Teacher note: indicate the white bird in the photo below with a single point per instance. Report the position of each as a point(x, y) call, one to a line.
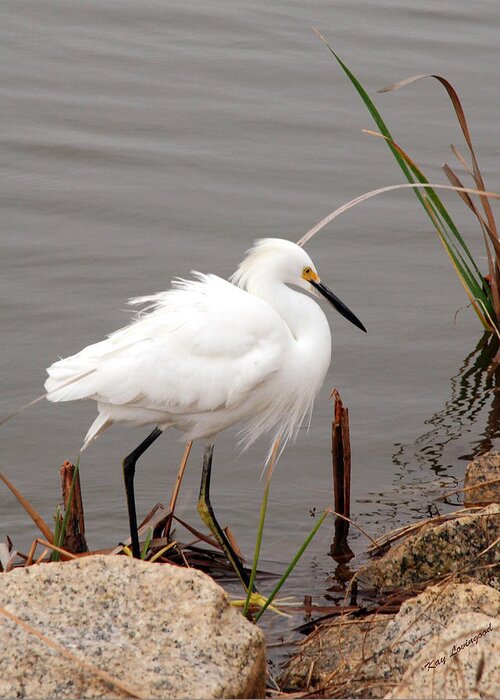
point(209, 353)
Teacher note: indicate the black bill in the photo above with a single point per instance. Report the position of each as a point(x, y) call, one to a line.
point(339, 305)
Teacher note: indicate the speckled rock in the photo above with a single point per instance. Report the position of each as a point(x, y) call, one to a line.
point(159, 630)
point(429, 614)
point(480, 471)
point(457, 545)
point(461, 661)
point(369, 658)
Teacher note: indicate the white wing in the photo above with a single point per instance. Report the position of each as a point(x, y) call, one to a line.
point(205, 345)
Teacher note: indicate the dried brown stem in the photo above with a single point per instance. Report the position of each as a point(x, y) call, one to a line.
point(74, 537)
point(63, 552)
point(341, 457)
point(177, 486)
point(32, 512)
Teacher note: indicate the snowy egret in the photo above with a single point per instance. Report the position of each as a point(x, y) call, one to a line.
point(207, 354)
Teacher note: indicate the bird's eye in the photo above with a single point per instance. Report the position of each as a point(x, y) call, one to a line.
point(307, 273)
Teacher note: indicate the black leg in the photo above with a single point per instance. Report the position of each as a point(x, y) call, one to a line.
point(128, 476)
point(208, 516)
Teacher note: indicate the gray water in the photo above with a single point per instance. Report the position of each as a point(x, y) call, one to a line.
point(141, 140)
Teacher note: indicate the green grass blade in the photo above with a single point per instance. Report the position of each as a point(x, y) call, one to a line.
point(147, 542)
point(292, 564)
point(58, 541)
point(475, 291)
point(262, 517)
point(372, 109)
point(442, 214)
point(405, 167)
point(258, 543)
point(57, 529)
point(162, 551)
point(439, 210)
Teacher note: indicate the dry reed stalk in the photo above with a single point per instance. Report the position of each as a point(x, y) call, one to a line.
point(466, 489)
point(397, 534)
point(375, 544)
point(63, 552)
point(177, 486)
point(32, 512)
point(200, 535)
point(234, 544)
point(341, 457)
point(154, 520)
point(74, 536)
point(180, 475)
point(341, 464)
point(42, 556)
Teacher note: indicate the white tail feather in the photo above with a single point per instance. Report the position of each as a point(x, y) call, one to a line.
point(100, 424)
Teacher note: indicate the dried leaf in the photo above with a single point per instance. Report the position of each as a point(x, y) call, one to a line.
point(198, 534)
point(487, 233)
point(7, 556)
point(381, 190)
point(459, 111)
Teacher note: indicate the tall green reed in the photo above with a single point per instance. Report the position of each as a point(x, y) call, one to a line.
point(483, 292)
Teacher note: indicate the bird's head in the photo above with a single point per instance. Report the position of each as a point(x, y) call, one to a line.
point(283, 261)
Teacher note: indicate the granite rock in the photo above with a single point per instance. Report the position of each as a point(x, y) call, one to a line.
point(376, 656)
point(461, 661)
point(159, 631)
point(482, 480)
point(421, 618)
point(464, 544)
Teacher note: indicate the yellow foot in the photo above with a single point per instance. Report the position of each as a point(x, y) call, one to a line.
point(257, 600)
